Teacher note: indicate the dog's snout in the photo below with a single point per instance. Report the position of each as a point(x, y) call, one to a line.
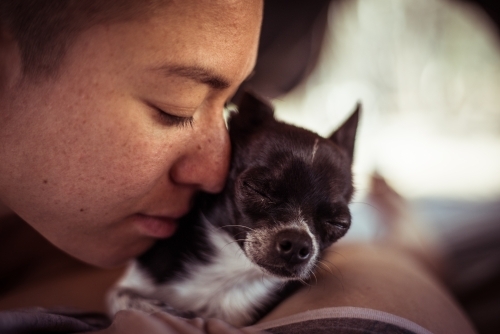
point(293, 246)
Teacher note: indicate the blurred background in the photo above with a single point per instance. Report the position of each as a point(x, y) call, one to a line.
point(427, 73)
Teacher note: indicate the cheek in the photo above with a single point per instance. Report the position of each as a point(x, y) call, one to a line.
point(94, 164)
point(121, 163)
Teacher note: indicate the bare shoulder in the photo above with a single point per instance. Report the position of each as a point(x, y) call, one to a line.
point(379, 277)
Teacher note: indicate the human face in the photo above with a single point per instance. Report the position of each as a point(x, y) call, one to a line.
point(89, 160)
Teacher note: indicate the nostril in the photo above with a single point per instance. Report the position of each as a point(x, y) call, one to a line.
point(285, 246)
point(293, 247)
point(303, 253)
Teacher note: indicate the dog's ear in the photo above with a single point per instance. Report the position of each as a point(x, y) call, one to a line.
point(253, 110)
point(345, 135)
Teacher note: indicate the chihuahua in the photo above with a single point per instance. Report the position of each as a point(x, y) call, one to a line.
point(239, 252)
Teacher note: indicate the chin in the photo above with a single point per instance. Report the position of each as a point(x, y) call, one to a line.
point(109, 259)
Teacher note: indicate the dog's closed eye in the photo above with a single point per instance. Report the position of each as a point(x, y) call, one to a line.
point(255, 189)
point(335, 219)
point(342, 217)
point(340, 222)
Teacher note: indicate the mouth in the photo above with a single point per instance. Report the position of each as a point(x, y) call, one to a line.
point(285, 272)
point(159, 227)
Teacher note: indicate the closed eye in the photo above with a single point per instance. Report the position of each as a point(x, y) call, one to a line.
point(249, 186)
point(340, 220)
point(339, 223)
point(173, 120)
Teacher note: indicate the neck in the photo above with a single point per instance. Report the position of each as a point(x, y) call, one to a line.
point(4, 210)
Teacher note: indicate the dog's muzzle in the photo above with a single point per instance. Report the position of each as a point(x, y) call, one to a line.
point(288, 253)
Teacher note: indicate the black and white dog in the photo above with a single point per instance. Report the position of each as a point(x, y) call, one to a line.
point(234, 256)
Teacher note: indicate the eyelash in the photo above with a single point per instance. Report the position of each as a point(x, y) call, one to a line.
point(178, 121)
point(246, 184)
point(172, 120)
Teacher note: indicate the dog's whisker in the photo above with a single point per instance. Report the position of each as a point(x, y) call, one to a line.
point(303, 282)
point(318, 267)
point(325, 260)
point(333, 265)
point(232, 242)
point(325, 266)
point(341, 279)
point(224, 226)
point(334, 252)
point(237, 240)
point(316, 278)
point(234, 236)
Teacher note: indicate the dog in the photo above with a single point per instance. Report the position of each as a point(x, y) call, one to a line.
point(238, 253)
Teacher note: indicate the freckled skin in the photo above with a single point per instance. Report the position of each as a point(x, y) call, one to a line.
point(82, 153)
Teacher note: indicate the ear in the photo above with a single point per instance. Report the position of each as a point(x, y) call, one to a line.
point(346, 133)
point(253, 110)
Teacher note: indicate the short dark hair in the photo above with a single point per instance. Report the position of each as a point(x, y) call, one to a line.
point(44, 29)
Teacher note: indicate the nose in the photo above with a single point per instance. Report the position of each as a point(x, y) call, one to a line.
point(293, 246)
point(205, 162)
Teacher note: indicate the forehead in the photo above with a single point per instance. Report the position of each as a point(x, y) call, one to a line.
point(212, 34)
point(297, 156)
point(220, 36)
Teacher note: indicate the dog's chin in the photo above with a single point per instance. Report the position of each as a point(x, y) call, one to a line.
point(284, 272)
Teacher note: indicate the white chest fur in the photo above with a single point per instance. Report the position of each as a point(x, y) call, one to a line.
point(231, 287)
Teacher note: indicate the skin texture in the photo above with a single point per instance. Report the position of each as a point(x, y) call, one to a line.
point(83, 154)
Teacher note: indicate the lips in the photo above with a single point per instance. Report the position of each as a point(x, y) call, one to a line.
point(155, 226)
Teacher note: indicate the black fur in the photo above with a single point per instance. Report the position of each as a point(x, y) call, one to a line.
point(166, 259)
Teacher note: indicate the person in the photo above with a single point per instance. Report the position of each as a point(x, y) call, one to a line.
point(111, 120)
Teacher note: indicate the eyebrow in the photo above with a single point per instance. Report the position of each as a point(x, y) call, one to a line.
point(199, 74)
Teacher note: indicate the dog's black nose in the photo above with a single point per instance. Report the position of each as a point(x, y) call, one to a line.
point(293, 246)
